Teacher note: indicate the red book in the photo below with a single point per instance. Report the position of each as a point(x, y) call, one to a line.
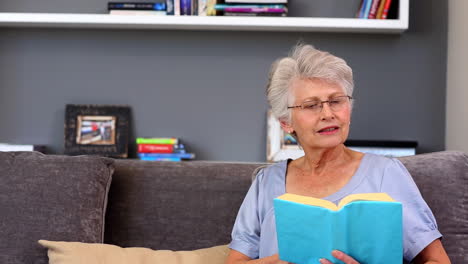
point(386, 8)
point(155, 148)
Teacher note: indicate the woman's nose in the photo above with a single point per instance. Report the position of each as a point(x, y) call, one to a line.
point(326, 112)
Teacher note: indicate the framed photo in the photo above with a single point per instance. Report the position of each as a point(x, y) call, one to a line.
point(280, 145)
point(97, 129)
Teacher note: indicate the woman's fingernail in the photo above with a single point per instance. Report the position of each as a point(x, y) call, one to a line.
point(321, 260)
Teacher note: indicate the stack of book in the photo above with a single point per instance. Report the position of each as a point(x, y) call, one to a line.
point(375, 9)
point(162, 149)
point(253, 8)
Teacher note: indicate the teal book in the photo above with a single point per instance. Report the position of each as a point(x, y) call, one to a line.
point(368, 227)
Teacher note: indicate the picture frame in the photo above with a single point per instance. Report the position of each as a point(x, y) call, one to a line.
point(280, 145)
point(97, 130)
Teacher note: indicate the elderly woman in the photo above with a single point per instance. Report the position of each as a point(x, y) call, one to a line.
point(310, 93)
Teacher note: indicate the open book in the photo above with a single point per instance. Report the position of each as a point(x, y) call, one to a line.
point(366, 226)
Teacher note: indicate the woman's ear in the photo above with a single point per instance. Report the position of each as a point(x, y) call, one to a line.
point(286, 126)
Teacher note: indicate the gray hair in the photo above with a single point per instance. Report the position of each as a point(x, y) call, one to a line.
point(304, 62)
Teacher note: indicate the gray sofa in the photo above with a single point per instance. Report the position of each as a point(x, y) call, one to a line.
point(161, 205)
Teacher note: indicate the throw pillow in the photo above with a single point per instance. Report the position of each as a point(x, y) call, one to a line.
point(53, 197)
point(86, 253)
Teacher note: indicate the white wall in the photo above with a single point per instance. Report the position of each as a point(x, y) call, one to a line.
point(457, 77)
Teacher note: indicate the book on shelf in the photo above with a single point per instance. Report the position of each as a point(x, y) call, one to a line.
point(202, 8)
point(380, 9)
point(159, 156)
point(367, 226)
point(189, 7)
point(195, 7)
point(160, 159)
point(158, 6)
point(170, 7)
point(387, 9)
point(157, 140)
point(210, 7)
point(367, 7)
point(255, 10)
point(373, 9)
point(258, 1)
point(138, 12)
point(161, 148)
point(254, 14)
point(221, 7)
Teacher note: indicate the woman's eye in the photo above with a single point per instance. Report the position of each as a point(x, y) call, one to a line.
point(311, 106)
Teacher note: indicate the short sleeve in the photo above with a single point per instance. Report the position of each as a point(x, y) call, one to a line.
point(419, 224)
point(246, 231)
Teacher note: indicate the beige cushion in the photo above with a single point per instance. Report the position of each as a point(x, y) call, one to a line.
point(86, 253)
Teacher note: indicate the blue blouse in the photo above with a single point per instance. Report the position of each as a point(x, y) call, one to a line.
point(254, 232)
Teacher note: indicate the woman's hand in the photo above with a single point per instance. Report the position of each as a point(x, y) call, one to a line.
point(276, 260)
point(341, 256)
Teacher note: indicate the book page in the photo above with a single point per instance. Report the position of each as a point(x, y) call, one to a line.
point(365, 197)
point(308, 201)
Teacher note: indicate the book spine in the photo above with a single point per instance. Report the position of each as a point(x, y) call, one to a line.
point(362, 9)
point(167, 155)
point(137, 12)
point(160, 6)
point(254, 14)
point(170, 7)
point(202, 7)
point(160, 159)
point(155, 148)
point(194, 8)
point(386, 8)
point(258, 1)
point(171, 141)
point(221, 7)
point(254, 10)
point(185, 7)
point(367, 10)
point(176, 7)
point(373, 10)
point(380, 10)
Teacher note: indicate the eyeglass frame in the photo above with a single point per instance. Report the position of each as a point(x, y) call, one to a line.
point(321, 103)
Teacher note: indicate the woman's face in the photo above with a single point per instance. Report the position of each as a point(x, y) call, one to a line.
point(318, 129)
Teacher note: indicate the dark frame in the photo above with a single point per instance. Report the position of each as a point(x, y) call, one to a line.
point(117, 119)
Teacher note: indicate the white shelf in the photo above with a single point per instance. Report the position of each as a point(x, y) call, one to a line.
point(65, 20)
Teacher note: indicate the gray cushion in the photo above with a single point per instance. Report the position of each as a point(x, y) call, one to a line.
point(50, 197)
point(442, 178)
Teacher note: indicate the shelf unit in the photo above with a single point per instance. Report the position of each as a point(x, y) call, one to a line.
point(305, 24)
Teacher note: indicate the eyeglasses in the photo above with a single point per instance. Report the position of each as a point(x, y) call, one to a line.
point(315, 106)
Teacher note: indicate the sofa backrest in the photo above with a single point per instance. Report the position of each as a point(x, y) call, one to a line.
point(175, 205)
point(442, 178)
point(189, 205)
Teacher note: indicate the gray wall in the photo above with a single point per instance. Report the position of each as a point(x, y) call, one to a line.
point(207, 87)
